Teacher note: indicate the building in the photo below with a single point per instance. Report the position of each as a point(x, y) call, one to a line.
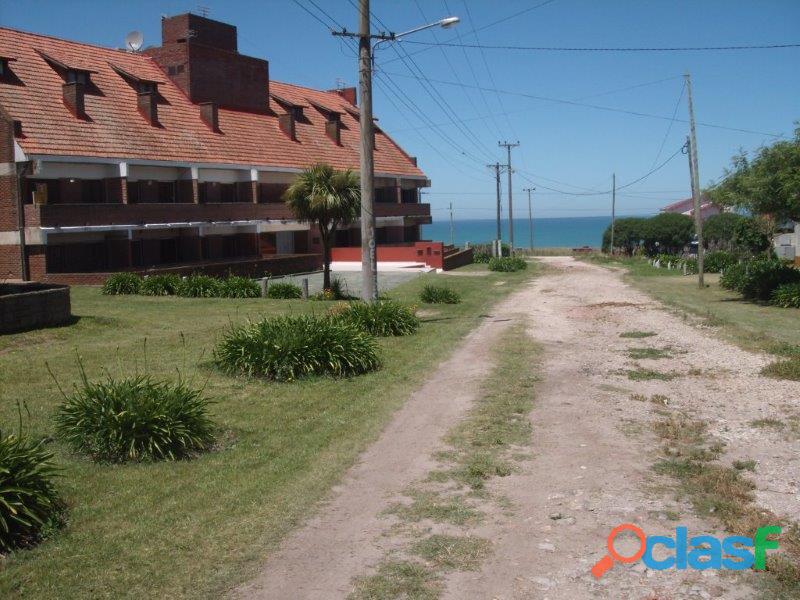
point(173, 158)
point(686, 207)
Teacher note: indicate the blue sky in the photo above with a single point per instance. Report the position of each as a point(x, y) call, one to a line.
point(563, 146)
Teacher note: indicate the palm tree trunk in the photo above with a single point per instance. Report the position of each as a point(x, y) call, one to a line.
point(325, 238)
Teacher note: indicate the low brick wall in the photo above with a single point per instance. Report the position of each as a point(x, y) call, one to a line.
point(457, 259)
point(26, 306)
point(255, 267)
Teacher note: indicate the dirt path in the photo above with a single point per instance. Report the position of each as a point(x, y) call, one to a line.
point(345, 538)
point(593, 449)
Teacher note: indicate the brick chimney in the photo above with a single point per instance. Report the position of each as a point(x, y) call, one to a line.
point(348, 93)
point(209, 113)
point(201, 57)
point(148, 106)
point(73, 98)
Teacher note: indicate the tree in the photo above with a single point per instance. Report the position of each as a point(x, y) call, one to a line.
point(719, 230)
point(328, 198)
point(769, 184)
point(628, 233)
point(668, 233)
point(750, 236)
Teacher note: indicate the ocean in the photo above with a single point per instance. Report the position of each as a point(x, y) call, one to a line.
point(547, 233)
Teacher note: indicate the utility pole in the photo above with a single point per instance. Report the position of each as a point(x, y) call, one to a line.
point(498, 242)
point(369, 263)
point(452, 229)
point(695, 176)
point(508, 146)
point(530, 216)
point(613, 208)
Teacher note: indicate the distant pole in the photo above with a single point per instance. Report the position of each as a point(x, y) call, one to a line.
point(508, 146)
point(499, 235)
point(452, 229)
point(530, 216)
point(613, 208)
point(695, 175)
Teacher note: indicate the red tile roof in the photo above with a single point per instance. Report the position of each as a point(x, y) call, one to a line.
point(115, 128)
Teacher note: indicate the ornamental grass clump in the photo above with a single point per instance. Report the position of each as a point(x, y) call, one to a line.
point(286, 348)
point(29, 503)
point(383, 318)
point(284, 291)
point(122, 283)
point(200, 286)
point(507, 264)
point(135, 419)
point(239, 287)
point(438, 294)
point(786, 296)
point(160, 285)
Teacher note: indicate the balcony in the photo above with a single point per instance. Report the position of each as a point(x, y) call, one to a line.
point(81, 215)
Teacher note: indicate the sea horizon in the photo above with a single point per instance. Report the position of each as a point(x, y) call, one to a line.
point(548, 232)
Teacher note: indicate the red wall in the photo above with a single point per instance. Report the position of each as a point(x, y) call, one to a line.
point(431, 253)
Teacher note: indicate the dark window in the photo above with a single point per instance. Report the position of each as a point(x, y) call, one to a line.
point(180, 68)
point(94, 191)
point(3, 68)
point(171, 70)
point(409, 196)
point(77, 77)
point(133, 192)
point(166, 191)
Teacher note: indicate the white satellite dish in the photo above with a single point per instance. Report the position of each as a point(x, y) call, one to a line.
point(134, 41)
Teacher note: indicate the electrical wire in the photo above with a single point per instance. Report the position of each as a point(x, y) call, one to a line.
point(578, 49)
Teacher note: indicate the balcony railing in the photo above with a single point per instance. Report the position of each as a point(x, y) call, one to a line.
point(80, 215)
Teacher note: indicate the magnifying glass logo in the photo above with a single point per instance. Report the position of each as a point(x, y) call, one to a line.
point(605, 563)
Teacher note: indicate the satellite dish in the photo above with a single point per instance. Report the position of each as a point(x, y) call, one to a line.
point(134, 41)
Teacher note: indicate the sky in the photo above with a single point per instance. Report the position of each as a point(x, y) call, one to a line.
point(451, 105)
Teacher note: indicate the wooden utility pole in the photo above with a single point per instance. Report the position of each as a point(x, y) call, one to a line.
point(498, 242)
point(508, 146)
point(530, 216)
point(452, 229)
point(613, 208)
point(369, 262)
point(695, 177)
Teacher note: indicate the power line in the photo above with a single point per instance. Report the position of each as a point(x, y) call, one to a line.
point(619, 49)
point(669, 127)
point(603, 108)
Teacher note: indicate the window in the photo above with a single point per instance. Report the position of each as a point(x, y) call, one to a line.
point(180, 68)
point(77, 77)
point(3, 68)
point(171, 70)
point(146, 87)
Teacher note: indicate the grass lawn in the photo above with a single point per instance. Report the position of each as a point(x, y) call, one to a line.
point(753, 326)
point(196, 528)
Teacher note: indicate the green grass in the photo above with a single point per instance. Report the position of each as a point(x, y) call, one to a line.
point(637, 334)
point(649, 374)
point(651, 353)
point(195, 528)
point(398, 579)
point(752, 326)
point(451, 552)
point(783, 369)
point(436, 507)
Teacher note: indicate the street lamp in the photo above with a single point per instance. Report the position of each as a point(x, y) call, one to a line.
point(369, 263)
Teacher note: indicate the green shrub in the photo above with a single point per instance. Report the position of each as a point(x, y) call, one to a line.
point(719, 262)
point(337, 291)
point(290, 347)
point(437, 294)
point(160, 285)
point(200, 286)
point(507, 264)
point(29, 503)
point(135, 419)
point(786, 295)
point(762, 276)
point(284, 291)
point(382, 318)
point(733, 277)
point(239, 287)
point(481, 257)
point(122, 283)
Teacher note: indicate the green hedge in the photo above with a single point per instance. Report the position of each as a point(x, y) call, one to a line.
point(507, 264)
point(122, 283)
point(438, 294)
point(786, 295)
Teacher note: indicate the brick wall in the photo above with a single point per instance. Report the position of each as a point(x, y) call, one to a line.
point(10, 267)
point(30, 306)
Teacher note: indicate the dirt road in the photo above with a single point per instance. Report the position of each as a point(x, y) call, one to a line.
point(592, 453)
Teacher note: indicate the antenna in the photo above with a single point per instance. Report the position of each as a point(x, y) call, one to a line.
point(134, 41)
point(340, 83)
point(203, 10)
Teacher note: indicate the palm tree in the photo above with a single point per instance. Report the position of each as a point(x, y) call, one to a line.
point(328, 198)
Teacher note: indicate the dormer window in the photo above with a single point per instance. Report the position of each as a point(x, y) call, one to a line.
point(140, 83)
point(74, 76)
point(146, 87)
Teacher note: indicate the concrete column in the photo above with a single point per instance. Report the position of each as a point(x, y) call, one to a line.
point(399, 190)
point(195, 185)
point(123, 182)
point(254, 185)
